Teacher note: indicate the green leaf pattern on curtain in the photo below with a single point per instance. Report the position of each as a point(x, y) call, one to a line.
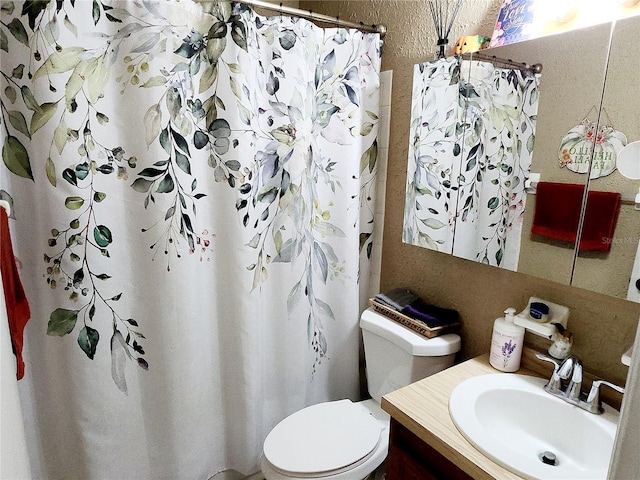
point(55, 96)
point(434, 155)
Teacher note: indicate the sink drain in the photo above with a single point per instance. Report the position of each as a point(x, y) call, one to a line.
point(548, 458)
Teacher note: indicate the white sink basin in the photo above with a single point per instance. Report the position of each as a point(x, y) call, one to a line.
point(512, 420)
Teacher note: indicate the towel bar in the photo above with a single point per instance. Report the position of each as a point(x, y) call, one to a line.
point(625, 199)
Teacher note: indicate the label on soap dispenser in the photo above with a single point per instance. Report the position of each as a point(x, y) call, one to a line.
point(506, 352)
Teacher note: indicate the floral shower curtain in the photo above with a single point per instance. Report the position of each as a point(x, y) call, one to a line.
point(192, 194)
point(472, 136)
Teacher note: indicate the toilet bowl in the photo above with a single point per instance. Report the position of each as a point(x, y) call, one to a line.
point(345, 440)
point(342, 440)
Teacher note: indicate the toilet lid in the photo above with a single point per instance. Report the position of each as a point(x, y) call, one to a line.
point(323, 437)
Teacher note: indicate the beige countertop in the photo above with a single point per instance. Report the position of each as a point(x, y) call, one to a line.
point(423, 408)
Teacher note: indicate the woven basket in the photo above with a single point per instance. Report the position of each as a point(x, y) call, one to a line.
point(412, 324)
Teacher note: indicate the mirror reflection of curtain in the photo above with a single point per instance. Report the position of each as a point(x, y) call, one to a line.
point(434, 152)
point(499, 133)
point(473, 131)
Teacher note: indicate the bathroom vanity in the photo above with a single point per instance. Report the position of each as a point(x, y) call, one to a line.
point(424, 442)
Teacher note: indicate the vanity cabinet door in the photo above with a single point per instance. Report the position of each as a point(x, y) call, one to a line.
point(412, 459)
point(402, 466)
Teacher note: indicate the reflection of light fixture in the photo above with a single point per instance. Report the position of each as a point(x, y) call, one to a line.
point(628, 3)
point(562, 12)
point(564, 15)
point(519, 21)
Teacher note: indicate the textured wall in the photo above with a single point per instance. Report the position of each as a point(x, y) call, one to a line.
point(603, 326)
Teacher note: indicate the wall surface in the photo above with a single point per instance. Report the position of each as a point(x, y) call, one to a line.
point(603, 326)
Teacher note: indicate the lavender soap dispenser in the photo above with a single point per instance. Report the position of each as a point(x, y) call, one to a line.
point(506, 343)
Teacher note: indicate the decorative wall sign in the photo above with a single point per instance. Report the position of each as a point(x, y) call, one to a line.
point(514, 22)
point(577, 146)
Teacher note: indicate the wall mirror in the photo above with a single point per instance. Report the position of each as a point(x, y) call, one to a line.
point(569, 90)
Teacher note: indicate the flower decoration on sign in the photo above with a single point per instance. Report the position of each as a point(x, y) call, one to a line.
point(585, 142)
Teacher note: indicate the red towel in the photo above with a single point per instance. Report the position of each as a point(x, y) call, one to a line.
point(17, 305)
point(557, 215)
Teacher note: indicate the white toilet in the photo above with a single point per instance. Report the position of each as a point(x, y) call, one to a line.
point(343, 440)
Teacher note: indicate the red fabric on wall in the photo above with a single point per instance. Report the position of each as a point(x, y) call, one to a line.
point(17, 305)
point(557, 215)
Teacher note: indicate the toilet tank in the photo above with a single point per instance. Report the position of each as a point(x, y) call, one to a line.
point(396, 356)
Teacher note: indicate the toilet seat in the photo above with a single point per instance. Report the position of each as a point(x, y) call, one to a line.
point(327, 439)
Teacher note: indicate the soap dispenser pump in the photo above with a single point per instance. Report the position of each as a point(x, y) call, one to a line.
point(506, 343)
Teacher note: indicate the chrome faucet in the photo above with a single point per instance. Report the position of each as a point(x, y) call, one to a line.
point(570, 371)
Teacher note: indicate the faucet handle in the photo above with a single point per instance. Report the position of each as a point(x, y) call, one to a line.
point(554, 382)
point(572, 366)
point(593, 399)
point(546, 358)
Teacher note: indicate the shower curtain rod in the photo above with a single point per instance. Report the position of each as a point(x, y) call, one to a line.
point(308, 14)
point(535, 68)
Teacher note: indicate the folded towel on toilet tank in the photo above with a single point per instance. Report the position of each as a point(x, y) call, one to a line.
point(431, 315)
point(409, 304)
point(398, 298)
